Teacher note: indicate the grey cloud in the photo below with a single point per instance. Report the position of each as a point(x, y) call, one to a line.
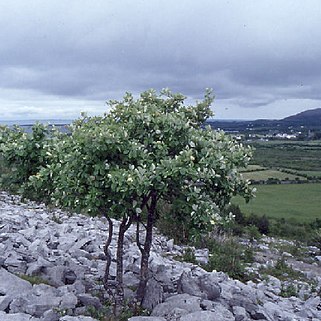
point(251, 53)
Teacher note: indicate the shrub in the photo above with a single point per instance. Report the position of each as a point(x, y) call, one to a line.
point(229, 257)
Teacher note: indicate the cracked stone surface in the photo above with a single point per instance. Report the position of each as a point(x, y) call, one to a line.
point(52, 263)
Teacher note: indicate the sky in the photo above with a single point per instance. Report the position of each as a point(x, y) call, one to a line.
point(60, 58)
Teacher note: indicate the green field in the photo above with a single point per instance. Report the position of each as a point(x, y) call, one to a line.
point(299, 201)
point(252, 168)
point(316, 174)
point(296, 155)
point(263, 175)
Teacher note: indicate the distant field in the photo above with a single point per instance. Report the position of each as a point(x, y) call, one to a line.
point(296, 155)
point(264, 175)
point(316, 174)
point(251, 168)
point(299, 201)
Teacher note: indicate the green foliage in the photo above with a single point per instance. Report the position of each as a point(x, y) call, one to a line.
point(316, 238)
point(106, 311)
point(122, 164)
point(291, 228)
point(252, 233)
point(262, 223)
point(288, 290)
point(33, 279)
point(24, 155)
point(230, 257)
point(155, 143)
point(189, 256)
point(283, 271)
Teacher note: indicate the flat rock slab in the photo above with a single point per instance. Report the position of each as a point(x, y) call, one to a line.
point(17, 317)
point(12, 285)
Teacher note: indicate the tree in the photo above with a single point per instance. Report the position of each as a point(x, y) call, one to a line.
point(23, 155)
point(144, 151)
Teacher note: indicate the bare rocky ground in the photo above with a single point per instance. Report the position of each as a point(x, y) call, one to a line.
point(52, 263)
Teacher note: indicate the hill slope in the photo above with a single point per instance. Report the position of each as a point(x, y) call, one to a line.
point(311, 116)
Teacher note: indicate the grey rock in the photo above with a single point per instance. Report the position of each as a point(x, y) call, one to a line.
point(70, 255)
point(5, 302)
point(80, 244)
point(56, 275)
point(153, 295)
point(273, 311)
point(70, 277)
point(17, 317)
point(89, 300)
point(60, 275)
point(218, 308)
point(12, 285)
point(201, 256)
point(185, 302)
point(170, 244)
point(78, 318)
point(240, 313)
point(15, 263)
point(50, 315)
point(68, 301)
point(38, 267)
point(204, 286)
point(204, 316)
point(146, 319)
point(131, 280)
point(313, 303)
point(209, 285)
point(41, 299)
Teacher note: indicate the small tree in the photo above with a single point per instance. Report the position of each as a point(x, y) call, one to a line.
point(144, 151)
point(24, 154)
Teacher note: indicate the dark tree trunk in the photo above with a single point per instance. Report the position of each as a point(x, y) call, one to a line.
point(124, 226)
point(107, 252)
point(145, 248)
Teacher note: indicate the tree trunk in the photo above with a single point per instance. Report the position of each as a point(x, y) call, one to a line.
point(107, 252)
point(124, 226)
point(145, 249)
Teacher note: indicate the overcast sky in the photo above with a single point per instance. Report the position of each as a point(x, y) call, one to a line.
point(58, 58)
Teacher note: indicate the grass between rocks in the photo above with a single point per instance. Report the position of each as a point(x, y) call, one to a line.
point(33, 279)
point(106, 312)
point(283, 271)
point(226, 255)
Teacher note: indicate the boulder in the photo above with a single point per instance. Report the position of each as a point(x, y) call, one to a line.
point(11, 286)
point(204, 316)
point(153, 295)
point(205, 286)
point(185, 302)
point(42, 298)
point(17, 317)
point(88, 300)
point(78, 318)
point(146, 319)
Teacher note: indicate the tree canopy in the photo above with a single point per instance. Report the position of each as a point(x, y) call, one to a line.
point(145, 150)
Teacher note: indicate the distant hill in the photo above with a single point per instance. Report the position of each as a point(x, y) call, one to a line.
point(309, 120)
point(311, 117)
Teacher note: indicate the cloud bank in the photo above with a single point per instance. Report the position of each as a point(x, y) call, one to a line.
point(262, 58)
